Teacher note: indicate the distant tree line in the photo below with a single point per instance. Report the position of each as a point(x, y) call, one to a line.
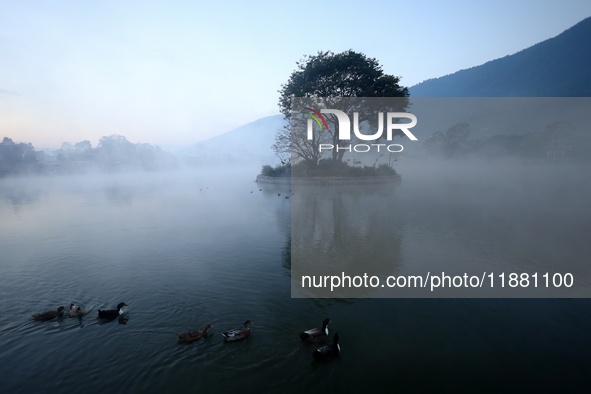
point(116, 151)
point(558, 140)
point(16, 157)
point(113, 152)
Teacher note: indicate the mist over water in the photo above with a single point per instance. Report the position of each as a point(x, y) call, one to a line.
point(452, 216)
point(196, 247)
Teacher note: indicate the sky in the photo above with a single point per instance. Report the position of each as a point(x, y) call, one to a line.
point(179, 72)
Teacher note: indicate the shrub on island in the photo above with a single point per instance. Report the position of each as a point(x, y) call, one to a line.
point(327, 168)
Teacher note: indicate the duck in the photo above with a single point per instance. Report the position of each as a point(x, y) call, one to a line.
point(328, 352)
point(237, 333)
point(75, 310)
point(316, 335)
point(111, 314)
point(194, 335)
point(49, 314)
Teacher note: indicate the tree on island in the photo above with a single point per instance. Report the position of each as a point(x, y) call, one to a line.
point(324, 76)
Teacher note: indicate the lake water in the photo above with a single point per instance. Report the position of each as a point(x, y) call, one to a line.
point(188, 248)
point(474, 218)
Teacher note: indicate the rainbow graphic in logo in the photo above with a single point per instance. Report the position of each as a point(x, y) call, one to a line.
point(316, 118)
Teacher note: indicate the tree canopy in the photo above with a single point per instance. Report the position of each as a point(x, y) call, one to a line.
point(346, 74)
point(330, 75)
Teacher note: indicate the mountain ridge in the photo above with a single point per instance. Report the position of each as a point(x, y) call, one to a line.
point(556, 67)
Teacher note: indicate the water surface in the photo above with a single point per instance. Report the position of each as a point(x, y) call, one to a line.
point(189, 248)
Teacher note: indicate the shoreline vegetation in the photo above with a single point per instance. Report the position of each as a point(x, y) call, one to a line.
point(327, 168)
point(328, 180)
point(113, 153)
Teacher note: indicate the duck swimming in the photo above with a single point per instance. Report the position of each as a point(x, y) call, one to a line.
point(237, 333)
point(328, 352)
point(75, 311)
point(49, 315)
point(111, 314)
point(316, 335)
point(194, 335)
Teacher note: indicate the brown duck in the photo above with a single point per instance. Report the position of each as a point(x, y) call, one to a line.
point(194, 335)
point(49, 315)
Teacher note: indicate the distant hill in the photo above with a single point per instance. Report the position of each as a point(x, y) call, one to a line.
point(251, 142)
point(558, 67)
point(253, 138)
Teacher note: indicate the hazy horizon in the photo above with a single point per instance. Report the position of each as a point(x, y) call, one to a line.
point(74, 72)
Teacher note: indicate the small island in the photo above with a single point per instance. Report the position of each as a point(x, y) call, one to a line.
point(328, 173)
point(324, 80)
